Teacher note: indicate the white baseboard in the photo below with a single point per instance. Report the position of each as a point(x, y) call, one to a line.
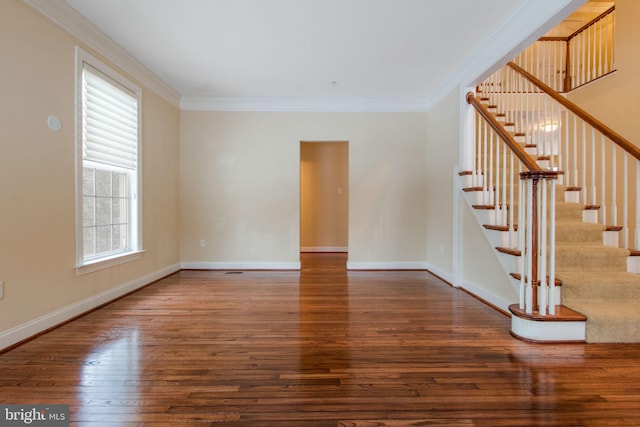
point(400, 265)
point(202, 265)
point(444, 275)
point(36, 326)
point(487, 296)
point(324, 249)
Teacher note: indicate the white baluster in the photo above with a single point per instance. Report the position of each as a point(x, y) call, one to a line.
point(527, 248)
point(625, 200)
point(545, 127)
point(512, 205)
point(588, 49)
point(555, 67)
point(606, 44)
point(614, 185)
point(603, 176)
point(575, 155)
point(600, 49)
point(636, 239)
point(485, 156)
point(552, 249)
point(583, 166)
point(542, 247)
point(561, 155)
point(547, 67)
point(613, 41)
point(491, 199)
point(522, 227)
point(594, 200)
point(574, 61)
point(538, 72)
point(497, 185)
point(583, 58)
point(594, 52)
point(477, 150)
point(504, 185)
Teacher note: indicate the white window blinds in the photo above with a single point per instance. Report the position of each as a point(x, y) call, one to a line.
point(110, 134)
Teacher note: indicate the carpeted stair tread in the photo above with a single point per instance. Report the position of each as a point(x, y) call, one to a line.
point(615, 287)
point(569, 212)
point(595, 281)
point(579, 232)
point(611, 322)
point(590, 257)
point(566, 212)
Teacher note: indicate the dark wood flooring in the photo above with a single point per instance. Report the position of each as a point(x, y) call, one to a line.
point(320, 347)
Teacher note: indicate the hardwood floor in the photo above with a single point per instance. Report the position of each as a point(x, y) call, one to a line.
point(320, 347)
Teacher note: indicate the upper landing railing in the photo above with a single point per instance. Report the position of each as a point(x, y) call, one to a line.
point(565, 63)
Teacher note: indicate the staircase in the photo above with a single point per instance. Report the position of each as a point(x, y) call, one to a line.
point(588, 288)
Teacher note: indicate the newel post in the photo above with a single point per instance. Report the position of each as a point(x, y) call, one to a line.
point(567, 68)
point(537, 258)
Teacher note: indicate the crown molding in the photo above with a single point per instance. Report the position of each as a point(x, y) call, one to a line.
point(67, 18)
point(305, 104)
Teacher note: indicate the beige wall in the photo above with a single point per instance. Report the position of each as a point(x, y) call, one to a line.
point(240, 186)
point(324, 196)
point(37, 179)
point(481, 272)
point(615, 100)
point(457, 249)
point(443, 142)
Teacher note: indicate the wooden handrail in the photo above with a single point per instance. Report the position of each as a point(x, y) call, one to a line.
point(618, 139)
point(593, 21)
point(554, 39)
point(503, 134)
point(579, 30)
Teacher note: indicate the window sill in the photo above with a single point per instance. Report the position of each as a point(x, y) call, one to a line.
point(112, 261)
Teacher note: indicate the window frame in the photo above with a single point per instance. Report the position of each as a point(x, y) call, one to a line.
point(134, 251)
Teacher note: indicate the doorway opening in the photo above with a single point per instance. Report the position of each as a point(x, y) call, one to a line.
point(324, 196)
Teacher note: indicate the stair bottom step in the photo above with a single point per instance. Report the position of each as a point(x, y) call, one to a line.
point(565, 326)
point(562, 314)
point(611, 322)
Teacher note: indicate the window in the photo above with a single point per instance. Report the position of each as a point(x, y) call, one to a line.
point(108, 152)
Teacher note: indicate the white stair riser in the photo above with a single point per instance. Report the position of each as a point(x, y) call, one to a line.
point(501, 238)
point(509, 262)
point(590, 216)
point(611, 238)
point(572, 196)
point(548, 330)
point(633, 264)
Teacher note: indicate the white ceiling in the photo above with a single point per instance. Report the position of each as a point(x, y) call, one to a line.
point(580, 17)
point(302, 48)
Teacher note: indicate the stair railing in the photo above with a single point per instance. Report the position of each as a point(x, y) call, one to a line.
point(517, 191)
point(604, 165)
point(565, 63)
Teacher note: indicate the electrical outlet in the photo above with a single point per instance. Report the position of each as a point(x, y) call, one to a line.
point(203, 243)
point(1, 289)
